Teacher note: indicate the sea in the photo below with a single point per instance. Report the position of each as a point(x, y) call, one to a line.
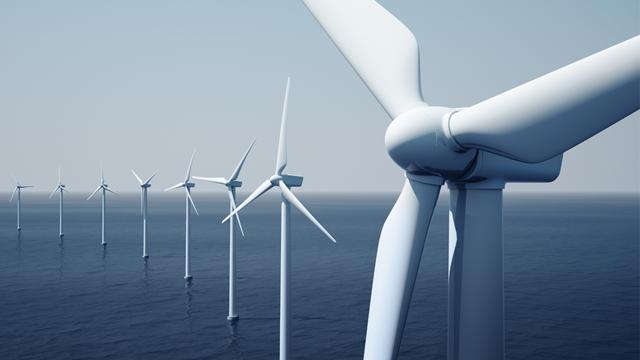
point(571, 265)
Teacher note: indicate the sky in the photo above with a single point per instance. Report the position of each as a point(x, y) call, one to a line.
point(141, 84)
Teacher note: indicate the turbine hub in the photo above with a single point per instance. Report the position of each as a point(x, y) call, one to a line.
point(418, 141)
point(275, 179)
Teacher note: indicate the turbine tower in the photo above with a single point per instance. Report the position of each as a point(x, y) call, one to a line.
point(18, 190)
point(144, 186)
point(283, 182)
point(104, 188)
point(517, 136)
point(187, 185)
point(231, 184)
point(61, 188)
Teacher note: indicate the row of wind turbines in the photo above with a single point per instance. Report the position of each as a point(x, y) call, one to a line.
point(280, 180)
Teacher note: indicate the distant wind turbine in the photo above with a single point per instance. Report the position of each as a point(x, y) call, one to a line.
point(232, 183)
point(18, 190)
point(144, 186)
point(187, 185)
point(61, 188)
point(104, 187)
point(284, 182)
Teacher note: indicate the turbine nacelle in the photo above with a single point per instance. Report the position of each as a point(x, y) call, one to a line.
point(419, 141)
point(289, 180)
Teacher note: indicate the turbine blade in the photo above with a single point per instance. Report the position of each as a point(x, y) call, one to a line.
point(281, 161)
point(232, 201)
point(188, 176)
point(137, 177)
point(399, 251)
point(175, 186)
point(150, 178)
point(94, 192)
point(111, 191)
point(13, 193)
point(59, 175)
point(555, 112)
point(217, 180)
point(298, 205)
point(101, 175)
point(54, 191)
point(263, 188)
point(142, 202)
point(236, 172)
point(191, 201)
point(379, 47)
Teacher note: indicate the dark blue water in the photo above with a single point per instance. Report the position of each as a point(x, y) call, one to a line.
point(571, 280)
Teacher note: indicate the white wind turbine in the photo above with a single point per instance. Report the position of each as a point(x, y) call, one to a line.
point(144, 186)
point(18, 190)
point(232, 183)
point(187, 185)
point(61, 188)
point(105, 188)
point(283, 182)
point(517, 136)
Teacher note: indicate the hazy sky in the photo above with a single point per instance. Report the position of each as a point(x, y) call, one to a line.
point(139, 84)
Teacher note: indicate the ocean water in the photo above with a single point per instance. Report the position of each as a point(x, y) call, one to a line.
point(571, 280)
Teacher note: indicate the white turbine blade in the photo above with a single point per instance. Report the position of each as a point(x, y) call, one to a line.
point(94, 192)
point(295, 202)
point(54, 191)
point(59, 175)
point(217, 180)
point(111, 191)
point(13, 193)
point(399, 251)
point(188, 176)
point(175, 186)
point(150, 178)
point(236, 172)
point(137, 177)
point(281, 161)
point(379, 47)
point(233, 208)
point(142, 202)
point(263, 188)
point(553, 113)
point(101, 175)
point(191, 201)
point(27, 186)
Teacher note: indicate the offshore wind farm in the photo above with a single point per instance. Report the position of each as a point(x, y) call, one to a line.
point(379, 259)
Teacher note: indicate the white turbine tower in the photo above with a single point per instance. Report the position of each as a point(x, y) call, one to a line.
point(61, 188)
point(144, 186)
point(231, 183)
point(18, 191)
point(187, 185)
point(104, 188)
point(517, 136)
point(284, 182)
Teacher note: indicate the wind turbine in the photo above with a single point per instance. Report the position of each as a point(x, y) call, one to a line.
point(18, 190)
point(232, 183)
point(517, 136)
point(60, 188)
point(105, 188)
point(144, 186)
point(283, 182)
point(187, 185)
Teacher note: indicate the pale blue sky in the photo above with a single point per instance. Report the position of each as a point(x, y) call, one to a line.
point(141, 83)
